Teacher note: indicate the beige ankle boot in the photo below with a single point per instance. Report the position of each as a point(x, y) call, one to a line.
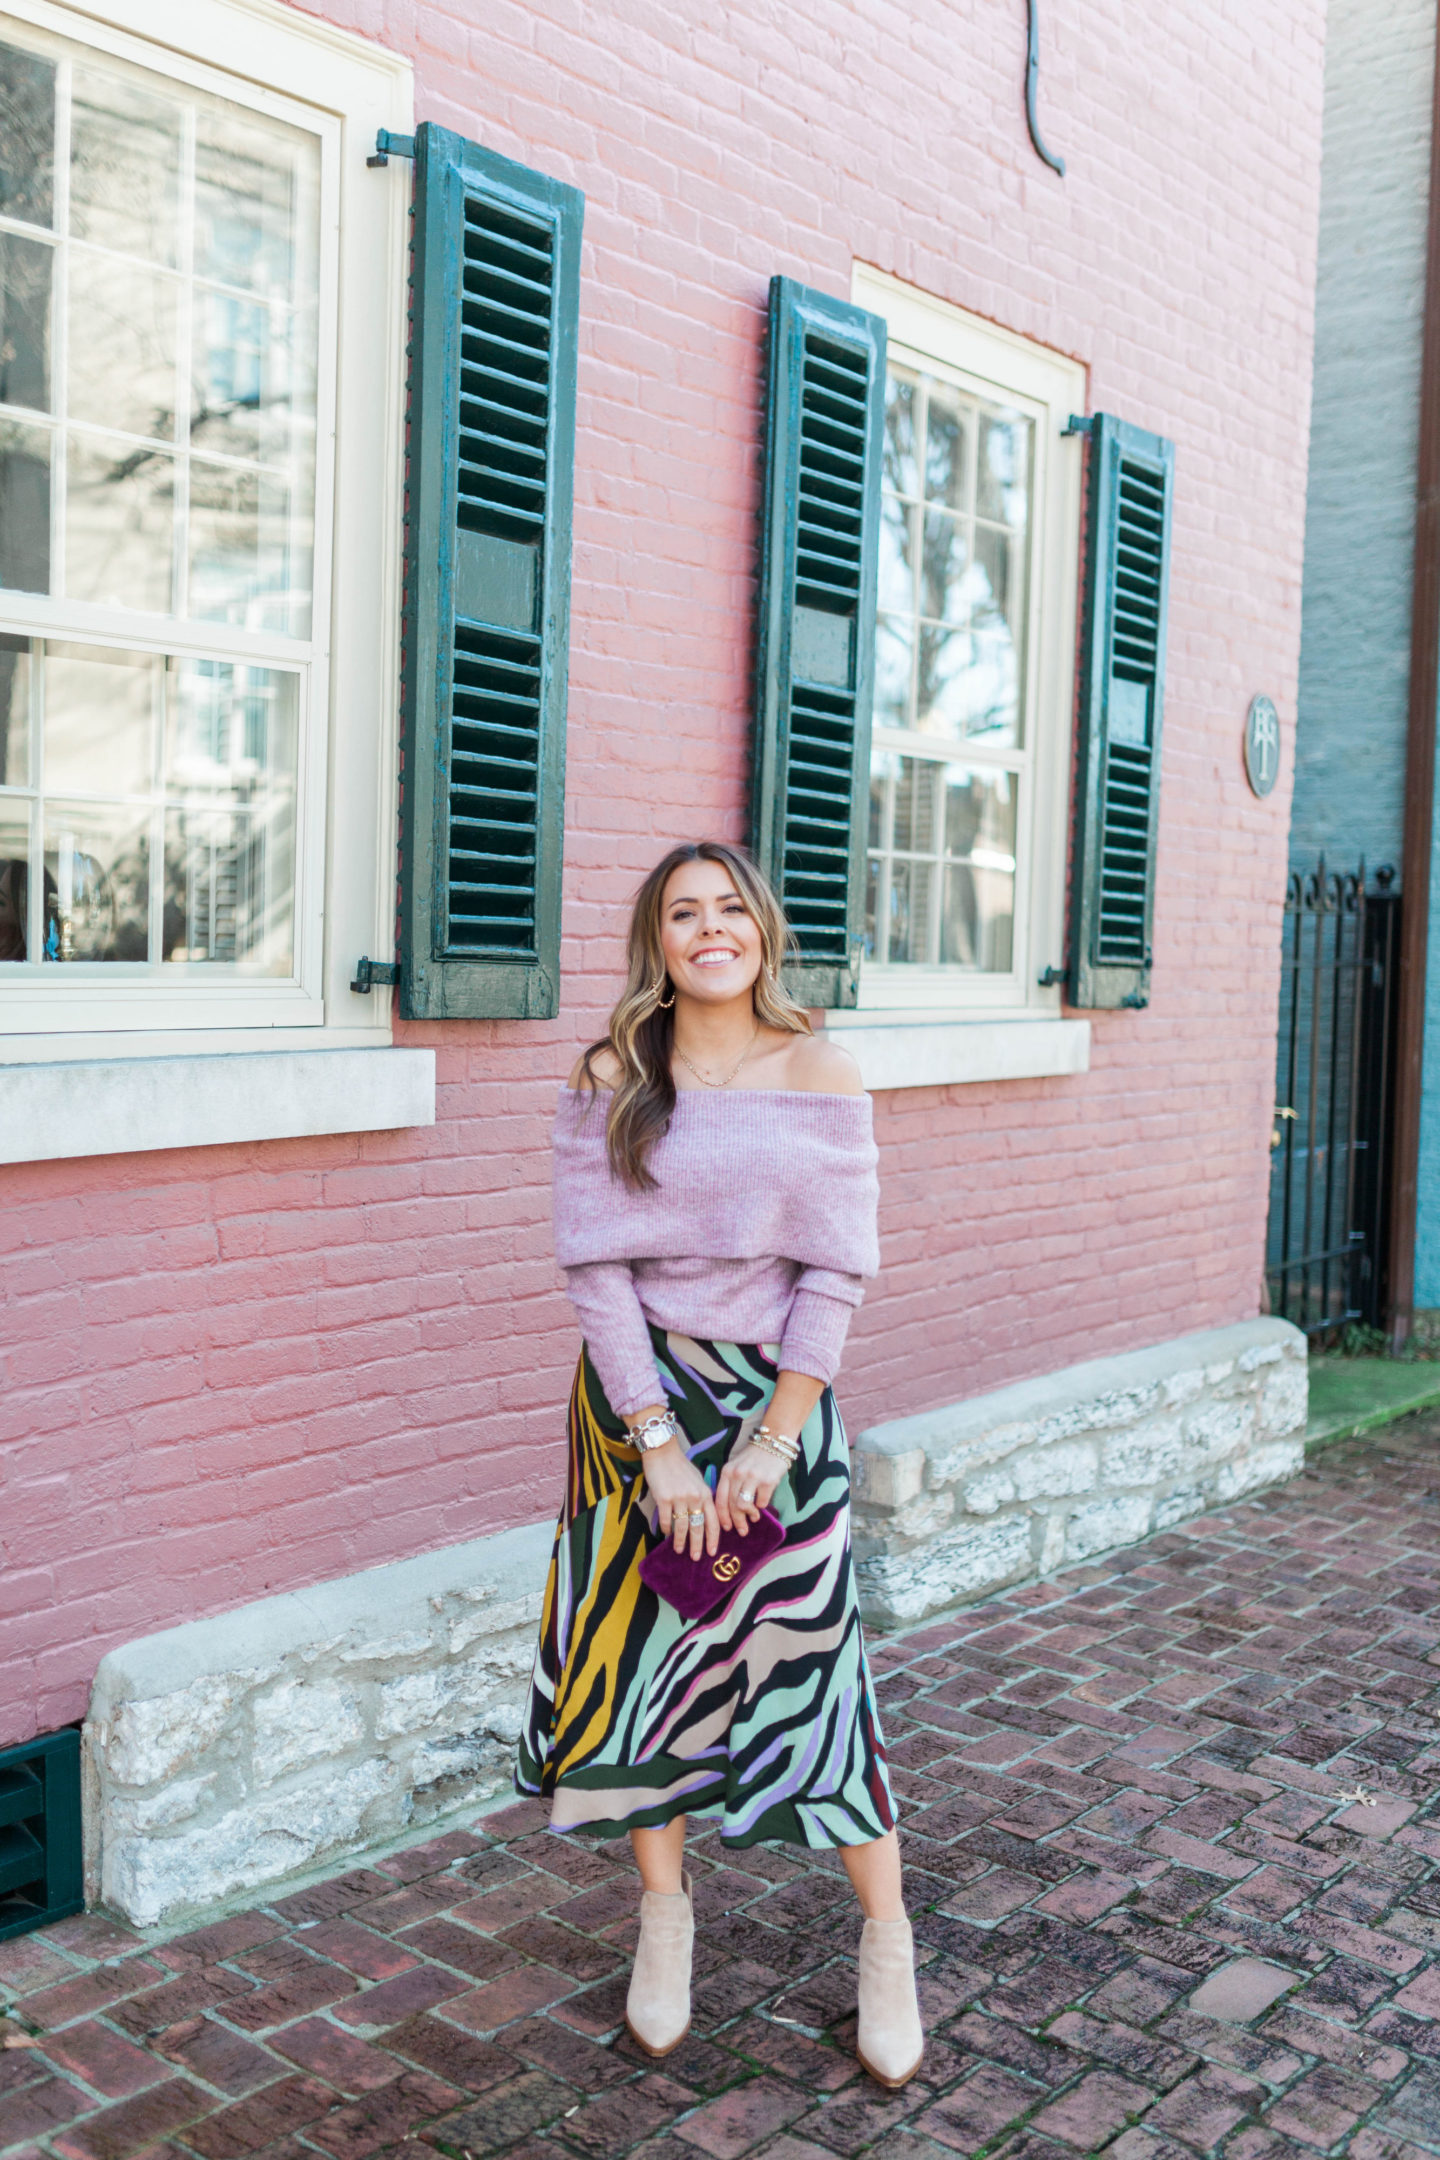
point(657, 2008)
point(890, 2042)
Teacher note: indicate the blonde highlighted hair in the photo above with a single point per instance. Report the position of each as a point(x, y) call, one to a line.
point(641, 1038)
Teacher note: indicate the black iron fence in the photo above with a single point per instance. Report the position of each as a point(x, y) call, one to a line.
point(1329, 1163)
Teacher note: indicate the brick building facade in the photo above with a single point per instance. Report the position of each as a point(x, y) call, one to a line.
point(326, 1334)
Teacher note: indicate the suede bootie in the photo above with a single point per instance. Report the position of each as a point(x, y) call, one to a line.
point(890, 2042)
point(657, 2008)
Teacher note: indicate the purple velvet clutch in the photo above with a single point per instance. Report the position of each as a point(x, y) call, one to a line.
point(697, 1588)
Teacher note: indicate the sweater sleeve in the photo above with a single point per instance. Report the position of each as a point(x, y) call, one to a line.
point(819, 1321)
point(616, 1333)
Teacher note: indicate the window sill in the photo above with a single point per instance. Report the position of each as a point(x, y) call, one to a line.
point(931, 1052)
point(128, 1106)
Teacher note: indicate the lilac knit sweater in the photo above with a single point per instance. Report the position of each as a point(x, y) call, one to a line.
point(761, 1230)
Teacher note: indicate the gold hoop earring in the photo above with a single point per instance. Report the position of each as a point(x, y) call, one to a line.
point(664, 1003)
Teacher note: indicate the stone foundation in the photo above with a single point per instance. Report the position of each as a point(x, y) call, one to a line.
point(237, 1751)
point(957, 1503)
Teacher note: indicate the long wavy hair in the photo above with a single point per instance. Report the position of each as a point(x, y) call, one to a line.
point(642, 1030)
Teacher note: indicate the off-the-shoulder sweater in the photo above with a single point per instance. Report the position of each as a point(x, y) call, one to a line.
point(761, 1229)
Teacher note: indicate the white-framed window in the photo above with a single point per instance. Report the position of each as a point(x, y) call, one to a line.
point(201, 400)
point(974, 681)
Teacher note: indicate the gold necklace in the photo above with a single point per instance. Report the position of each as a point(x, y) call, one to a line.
point(704, 1080)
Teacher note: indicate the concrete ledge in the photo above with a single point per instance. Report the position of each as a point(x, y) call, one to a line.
point(241, 1750)
point(127, 1106)
point(959, 1502)
point(906, 1053)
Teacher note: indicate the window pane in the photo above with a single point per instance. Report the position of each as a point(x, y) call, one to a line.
point(947, 688)
point(948, 419)
point(900, 470)
point(945, 579)
point(25, 267)
point(232, 751)
point(122, 346)
point(27, 136)
point(956, 667)
point(892, 673)
point(14, 880)
point(916, 798)
point(101, 707)
point(124, 166)
point(897, 554)
point(14, 711)
point(910, 884)
point(98, 858)
point(242, 569)
point(24, 507)
point(1002, 490)
point(121, 525)
point(977, 922)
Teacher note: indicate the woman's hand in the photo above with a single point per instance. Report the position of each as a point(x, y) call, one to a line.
point(749, 1479)
point(745, 1486)
point(684, 1505)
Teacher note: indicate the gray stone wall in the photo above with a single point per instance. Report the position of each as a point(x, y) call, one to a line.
point(1364, 433)
point(233, 1754)
point(955, 1504)
point(241, 1750)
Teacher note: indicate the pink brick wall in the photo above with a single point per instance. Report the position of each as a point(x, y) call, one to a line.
point(232, 1371)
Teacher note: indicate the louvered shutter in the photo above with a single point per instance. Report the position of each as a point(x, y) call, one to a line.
point(1122, 684)
point(495, 285)
point(825, 407)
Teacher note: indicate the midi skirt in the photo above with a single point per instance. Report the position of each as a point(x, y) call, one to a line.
point(761, 1715)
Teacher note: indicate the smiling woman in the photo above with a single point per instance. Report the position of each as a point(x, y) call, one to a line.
point(715, 1197)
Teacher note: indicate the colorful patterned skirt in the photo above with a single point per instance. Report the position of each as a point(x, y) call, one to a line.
point(764, 1713)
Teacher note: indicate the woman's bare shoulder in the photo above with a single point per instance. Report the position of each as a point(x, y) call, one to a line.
point(604, 1071)
point(818, 1066)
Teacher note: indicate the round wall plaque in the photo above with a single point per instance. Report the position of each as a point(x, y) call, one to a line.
point(1262, 745)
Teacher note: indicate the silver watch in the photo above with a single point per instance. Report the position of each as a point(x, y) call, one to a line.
point(655, 1431)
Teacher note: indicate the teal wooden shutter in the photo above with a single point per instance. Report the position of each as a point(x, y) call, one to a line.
point(824, 421)
point(495, 290)
point(1121, 692)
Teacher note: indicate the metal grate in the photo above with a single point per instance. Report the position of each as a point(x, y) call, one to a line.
point(506, 324)
point(494, 790)
point(1334, 1087)
point(40, 1866)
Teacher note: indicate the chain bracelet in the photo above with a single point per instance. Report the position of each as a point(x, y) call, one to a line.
point(654, 1431)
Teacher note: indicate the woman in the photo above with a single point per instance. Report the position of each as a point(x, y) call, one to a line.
point(715, 1202)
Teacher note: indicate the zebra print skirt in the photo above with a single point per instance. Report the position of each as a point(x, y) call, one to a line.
point(762, 1715)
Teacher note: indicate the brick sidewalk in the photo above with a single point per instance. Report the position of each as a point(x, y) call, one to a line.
point(1155, 1919)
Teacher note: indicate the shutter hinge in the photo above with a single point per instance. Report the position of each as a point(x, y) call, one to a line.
point(1076, 425)
point(1136, 1001)
point(1048, 977)
point(375, 975)
point(388, 146)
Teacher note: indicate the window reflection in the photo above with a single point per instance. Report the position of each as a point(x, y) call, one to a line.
point(949, 670)
point(166, 793)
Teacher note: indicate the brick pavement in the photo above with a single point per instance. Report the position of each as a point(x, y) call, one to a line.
point(1156, 1917)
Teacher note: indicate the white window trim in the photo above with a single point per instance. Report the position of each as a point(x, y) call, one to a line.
point(926, 332)
point(354, 88)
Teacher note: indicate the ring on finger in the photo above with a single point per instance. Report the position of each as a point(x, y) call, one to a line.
point(697, 1516)
point(747, 1499)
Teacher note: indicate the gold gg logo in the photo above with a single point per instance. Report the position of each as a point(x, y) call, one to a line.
point(727, 1567)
